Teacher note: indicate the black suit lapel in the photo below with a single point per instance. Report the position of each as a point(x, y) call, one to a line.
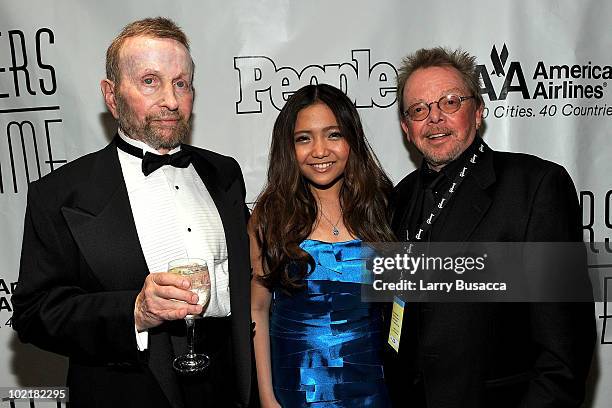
point(103, 226)
point(471, 202)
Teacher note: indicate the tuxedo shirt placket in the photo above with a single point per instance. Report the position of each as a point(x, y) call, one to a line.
point(176, 217)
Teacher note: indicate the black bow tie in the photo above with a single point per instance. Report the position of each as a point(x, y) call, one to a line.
point(152, 162)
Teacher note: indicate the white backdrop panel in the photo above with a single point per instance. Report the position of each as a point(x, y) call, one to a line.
point(251, 55)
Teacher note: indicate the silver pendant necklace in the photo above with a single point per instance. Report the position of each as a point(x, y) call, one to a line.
point(335, 229)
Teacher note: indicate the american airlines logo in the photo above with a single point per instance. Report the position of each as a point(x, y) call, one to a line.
point(563, 81)
point(264, 83)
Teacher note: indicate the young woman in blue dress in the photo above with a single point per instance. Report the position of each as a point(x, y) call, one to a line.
point(316, 343)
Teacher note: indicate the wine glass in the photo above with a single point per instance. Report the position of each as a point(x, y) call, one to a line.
point(196, 271)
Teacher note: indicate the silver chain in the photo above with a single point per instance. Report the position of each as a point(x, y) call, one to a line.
point(335, 229)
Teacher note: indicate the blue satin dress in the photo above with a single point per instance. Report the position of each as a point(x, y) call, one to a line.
point(325, 343)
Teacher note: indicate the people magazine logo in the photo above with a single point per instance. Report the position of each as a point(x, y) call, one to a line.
point(543, 89)
point(263, 84)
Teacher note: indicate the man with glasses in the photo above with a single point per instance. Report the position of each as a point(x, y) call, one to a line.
point(480, 354)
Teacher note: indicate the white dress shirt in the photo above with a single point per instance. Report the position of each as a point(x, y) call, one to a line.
point(176, 217)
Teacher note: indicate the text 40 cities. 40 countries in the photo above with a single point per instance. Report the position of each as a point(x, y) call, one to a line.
point(548, 110)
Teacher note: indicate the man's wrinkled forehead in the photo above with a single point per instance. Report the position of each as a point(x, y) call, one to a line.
point(140, 53)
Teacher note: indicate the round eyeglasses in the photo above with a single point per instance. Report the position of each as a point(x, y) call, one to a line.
point(447, 104)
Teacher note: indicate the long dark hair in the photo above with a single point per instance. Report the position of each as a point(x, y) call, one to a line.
point(286, 210)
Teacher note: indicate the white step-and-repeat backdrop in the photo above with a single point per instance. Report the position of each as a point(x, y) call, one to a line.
point(546, 70)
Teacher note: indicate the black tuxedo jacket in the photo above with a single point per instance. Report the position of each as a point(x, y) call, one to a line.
point(82, 267)
point(494, 355)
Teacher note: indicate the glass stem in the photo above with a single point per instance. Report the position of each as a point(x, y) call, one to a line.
point(190, 335)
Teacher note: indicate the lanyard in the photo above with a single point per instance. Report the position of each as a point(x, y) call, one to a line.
point(437, 209)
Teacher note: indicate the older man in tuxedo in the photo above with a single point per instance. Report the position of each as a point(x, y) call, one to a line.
point(100, 231)
point(481, 355)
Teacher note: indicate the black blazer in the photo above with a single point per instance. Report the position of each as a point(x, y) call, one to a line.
point(82, 267)
point(497, 354)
